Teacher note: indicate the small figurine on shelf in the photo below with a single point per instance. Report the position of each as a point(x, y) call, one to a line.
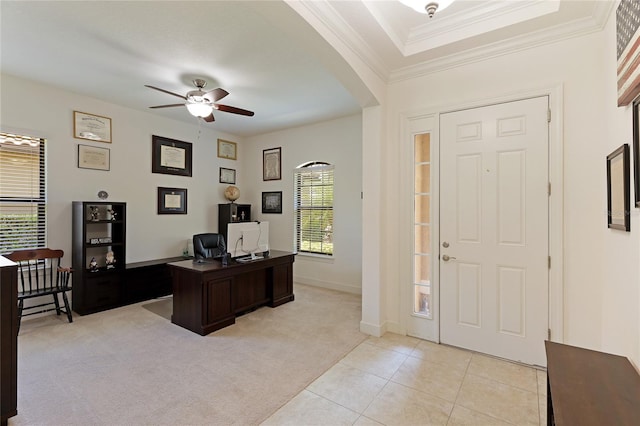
point(242, 216)
point(93, 265)
point(111, 260)
point(112, 214)
point(94, 213)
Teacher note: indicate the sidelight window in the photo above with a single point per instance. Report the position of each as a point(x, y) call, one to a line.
point(422, 227)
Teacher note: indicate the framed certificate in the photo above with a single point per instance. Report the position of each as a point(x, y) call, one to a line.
point(227, 149)
point(91, 157)
point(170, 156)
point(227, 175)
point(91, 127)
point(172, 200)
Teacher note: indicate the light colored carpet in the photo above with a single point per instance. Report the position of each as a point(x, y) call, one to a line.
point(132, 366)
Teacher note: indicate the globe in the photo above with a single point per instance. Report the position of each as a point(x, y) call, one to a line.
point(232, 193)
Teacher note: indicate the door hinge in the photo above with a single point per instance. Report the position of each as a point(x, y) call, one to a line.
point(549, 115)
point(549, 261)
point(549, 334)
point(549, 189)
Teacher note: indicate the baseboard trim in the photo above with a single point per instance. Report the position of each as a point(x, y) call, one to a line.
point(329, 285)
point(373, 329)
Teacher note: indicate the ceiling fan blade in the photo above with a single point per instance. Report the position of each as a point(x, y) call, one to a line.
point(165, 91)
point(217, 94)
point(209, 118)
point(166, 106)
point(234, 110)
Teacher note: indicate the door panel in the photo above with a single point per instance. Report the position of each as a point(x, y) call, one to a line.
point(494, 217)
point(469, 294)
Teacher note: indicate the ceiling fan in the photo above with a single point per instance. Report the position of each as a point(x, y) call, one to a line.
point(201, 103)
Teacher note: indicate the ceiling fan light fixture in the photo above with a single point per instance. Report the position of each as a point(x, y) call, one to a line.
point(429, 7)
point(199, 109)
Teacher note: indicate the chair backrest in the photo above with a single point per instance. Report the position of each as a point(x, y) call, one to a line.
point(207, 246)
point(39, 270)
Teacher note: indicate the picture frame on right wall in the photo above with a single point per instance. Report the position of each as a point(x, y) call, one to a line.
point(636, 150)
point(618, 202)
point(271, 164)
point(272, 202)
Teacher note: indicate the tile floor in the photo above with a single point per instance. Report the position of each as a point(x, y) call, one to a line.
point(399, 380)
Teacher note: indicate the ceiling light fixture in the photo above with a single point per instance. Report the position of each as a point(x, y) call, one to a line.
point(199, 109)
point(427, 6)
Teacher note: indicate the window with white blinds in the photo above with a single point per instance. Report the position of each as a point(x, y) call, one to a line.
point(22, 192)
point(313, 192)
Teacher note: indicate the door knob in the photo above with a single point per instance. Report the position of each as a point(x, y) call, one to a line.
point(445, 244)
point(447, 258)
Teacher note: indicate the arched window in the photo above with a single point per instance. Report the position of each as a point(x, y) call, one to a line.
point(313, 208)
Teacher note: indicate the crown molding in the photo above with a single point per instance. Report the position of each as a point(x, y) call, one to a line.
point(335, 23)
point(512, 45)
point(471, 22)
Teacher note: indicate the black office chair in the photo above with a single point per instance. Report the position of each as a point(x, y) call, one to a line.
point(207, 246)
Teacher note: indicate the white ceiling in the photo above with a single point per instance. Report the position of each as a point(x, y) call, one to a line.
point(262, 52)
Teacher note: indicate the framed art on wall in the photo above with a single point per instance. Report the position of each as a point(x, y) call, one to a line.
point(227, 175)
point(172, 200)
point(272, 202)
point(91, 157)
point(618, 202)
point(227, 149)
point(91, 127)
point(170, 156)
point(636, 150)
point(271, 166)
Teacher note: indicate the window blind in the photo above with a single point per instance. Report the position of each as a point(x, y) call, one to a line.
point(22, 192)
point(313, 190)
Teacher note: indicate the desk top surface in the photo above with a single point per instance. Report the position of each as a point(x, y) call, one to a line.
point(214, 264)
point(592, 388)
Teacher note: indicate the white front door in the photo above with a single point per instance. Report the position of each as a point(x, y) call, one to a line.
point(494, 222)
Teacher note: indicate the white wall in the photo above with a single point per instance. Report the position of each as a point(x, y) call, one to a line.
point(151, 236)
point(601, 281)
point(620, 287)
point(48, 112)
point(338, 142)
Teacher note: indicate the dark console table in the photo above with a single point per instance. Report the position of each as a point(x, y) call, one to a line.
point(208, 296)
point(586, 387)
point(8, 340)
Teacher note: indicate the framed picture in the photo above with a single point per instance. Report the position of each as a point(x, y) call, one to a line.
point(91, 157)
point(271, 167)
point(170, 157)
point(628, 51)
point(636, 150)
point(227, 149)
point(172, 200)
point(618, 189)
point(227, 175)
point(272, 202)
point(91, 127)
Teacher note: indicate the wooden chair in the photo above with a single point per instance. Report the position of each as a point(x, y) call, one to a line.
point(40, 274)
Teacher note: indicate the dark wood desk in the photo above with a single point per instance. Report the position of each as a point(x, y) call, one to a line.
point(586, 387)
point(208, 296)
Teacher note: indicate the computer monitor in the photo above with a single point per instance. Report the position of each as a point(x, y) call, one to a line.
point(248, 240)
